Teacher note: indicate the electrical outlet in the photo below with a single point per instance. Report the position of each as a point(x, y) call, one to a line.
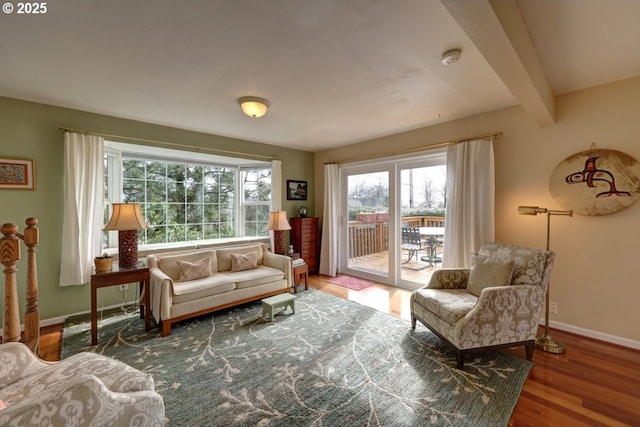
point(123, 288)
point(553, 307)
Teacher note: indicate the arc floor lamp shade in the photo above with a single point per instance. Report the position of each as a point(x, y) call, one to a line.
point(127, 219)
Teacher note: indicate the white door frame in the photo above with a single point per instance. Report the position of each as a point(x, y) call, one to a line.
point(393, 166)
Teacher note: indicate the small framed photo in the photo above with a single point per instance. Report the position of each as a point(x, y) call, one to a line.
point(296, 190)
point(16, 174)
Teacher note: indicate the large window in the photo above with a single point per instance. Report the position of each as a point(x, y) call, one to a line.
point(185, 200)
point(256, 202)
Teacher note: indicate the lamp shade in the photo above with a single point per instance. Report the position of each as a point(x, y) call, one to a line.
point(278, 221)
point(253, 106)
point(530, 210)
point(126, 216)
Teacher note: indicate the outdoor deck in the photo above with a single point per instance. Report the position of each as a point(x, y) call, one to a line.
point(419, 272)
point(369, 246)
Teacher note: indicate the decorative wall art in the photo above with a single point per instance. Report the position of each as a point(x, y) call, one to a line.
point(296, 190)
point(596, 182)
point(17, 174)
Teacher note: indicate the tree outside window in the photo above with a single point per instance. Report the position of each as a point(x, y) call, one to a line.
point(184, 201)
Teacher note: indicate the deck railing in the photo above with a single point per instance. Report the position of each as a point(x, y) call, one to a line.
point(370, 236)
point(367, 238)
point(424, 221)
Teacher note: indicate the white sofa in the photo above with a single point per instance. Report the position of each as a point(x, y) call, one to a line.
point(86, 389)
point(174, 300)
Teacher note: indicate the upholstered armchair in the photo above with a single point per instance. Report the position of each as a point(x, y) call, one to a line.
point(85, 389)
point(495, 303)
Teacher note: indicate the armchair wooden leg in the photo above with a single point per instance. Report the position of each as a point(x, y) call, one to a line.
point(460, 359)
point(413, 322)
point(528, 348)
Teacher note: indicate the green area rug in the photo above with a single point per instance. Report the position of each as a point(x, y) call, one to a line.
point(333, 363)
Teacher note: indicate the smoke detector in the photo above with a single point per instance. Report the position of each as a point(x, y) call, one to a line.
point(451, 56)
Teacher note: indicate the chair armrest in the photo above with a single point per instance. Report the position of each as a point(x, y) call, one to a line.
point(80, 401)
point(281, 262)
point(502, 314)
point(449, 278)
point(161, 294)
point(16, 362)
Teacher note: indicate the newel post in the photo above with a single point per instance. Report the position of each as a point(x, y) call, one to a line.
point(9, 256)
point(32, 317)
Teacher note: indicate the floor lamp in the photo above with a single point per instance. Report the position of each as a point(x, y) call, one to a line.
point(278, 223)
point(546, 342)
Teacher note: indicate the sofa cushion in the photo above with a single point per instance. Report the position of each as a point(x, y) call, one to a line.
point(194, 270)
point(448, 304)
point(200, 288)
point(224, 255)
point(241, 262)
point(258, 276)
point(169, 263)
point(528, 266)
point(486, 272)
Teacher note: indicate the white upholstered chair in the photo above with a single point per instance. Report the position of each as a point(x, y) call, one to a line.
point(496, 303)
point(86, 389)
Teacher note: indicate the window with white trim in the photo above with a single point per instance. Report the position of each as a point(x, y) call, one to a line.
point(187, 200)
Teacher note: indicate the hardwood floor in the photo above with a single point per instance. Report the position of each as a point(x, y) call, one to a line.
point(593, 384)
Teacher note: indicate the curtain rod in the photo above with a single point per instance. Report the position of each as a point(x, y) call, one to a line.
point(171, 144)
point(415, 149)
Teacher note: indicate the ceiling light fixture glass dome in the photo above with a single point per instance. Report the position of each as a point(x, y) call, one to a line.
point(253, 106)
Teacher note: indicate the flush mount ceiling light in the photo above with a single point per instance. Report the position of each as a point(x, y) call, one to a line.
point(451, 56)
point(253, 106)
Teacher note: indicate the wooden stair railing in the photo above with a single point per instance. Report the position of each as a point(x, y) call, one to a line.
point(9, 257)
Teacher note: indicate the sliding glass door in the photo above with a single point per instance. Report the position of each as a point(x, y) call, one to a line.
point(421, 227)
point(382, 202)
point(367, 231)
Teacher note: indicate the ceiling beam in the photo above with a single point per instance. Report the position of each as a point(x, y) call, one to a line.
point(499, 32)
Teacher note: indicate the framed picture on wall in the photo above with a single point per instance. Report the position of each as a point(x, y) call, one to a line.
point(17, 174)
point(296, 190)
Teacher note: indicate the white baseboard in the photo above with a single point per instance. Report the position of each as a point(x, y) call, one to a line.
point(62, 319)
point(625, 342)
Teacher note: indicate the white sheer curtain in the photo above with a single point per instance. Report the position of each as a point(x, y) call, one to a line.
point(470, 200)
point(83, 206)
point(329, 248)
point(276, 190)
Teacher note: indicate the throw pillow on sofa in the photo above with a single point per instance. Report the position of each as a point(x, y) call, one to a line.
point(241, 262)
point(487, 272)
point(194, 270)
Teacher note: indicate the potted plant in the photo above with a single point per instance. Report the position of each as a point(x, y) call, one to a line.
point(103, 263)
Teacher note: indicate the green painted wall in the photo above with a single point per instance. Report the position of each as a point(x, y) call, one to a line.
point(31, 131)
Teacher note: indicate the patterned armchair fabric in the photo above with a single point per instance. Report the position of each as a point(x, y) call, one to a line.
point(500, 316)
point(86, 389)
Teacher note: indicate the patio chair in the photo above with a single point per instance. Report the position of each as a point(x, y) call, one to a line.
point(412, 242)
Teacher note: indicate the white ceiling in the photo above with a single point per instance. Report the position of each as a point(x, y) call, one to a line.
point(335, 71)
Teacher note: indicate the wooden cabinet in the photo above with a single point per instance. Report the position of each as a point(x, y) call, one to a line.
point(304, 238)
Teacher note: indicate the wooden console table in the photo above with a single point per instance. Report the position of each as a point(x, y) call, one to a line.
point(120, 276)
